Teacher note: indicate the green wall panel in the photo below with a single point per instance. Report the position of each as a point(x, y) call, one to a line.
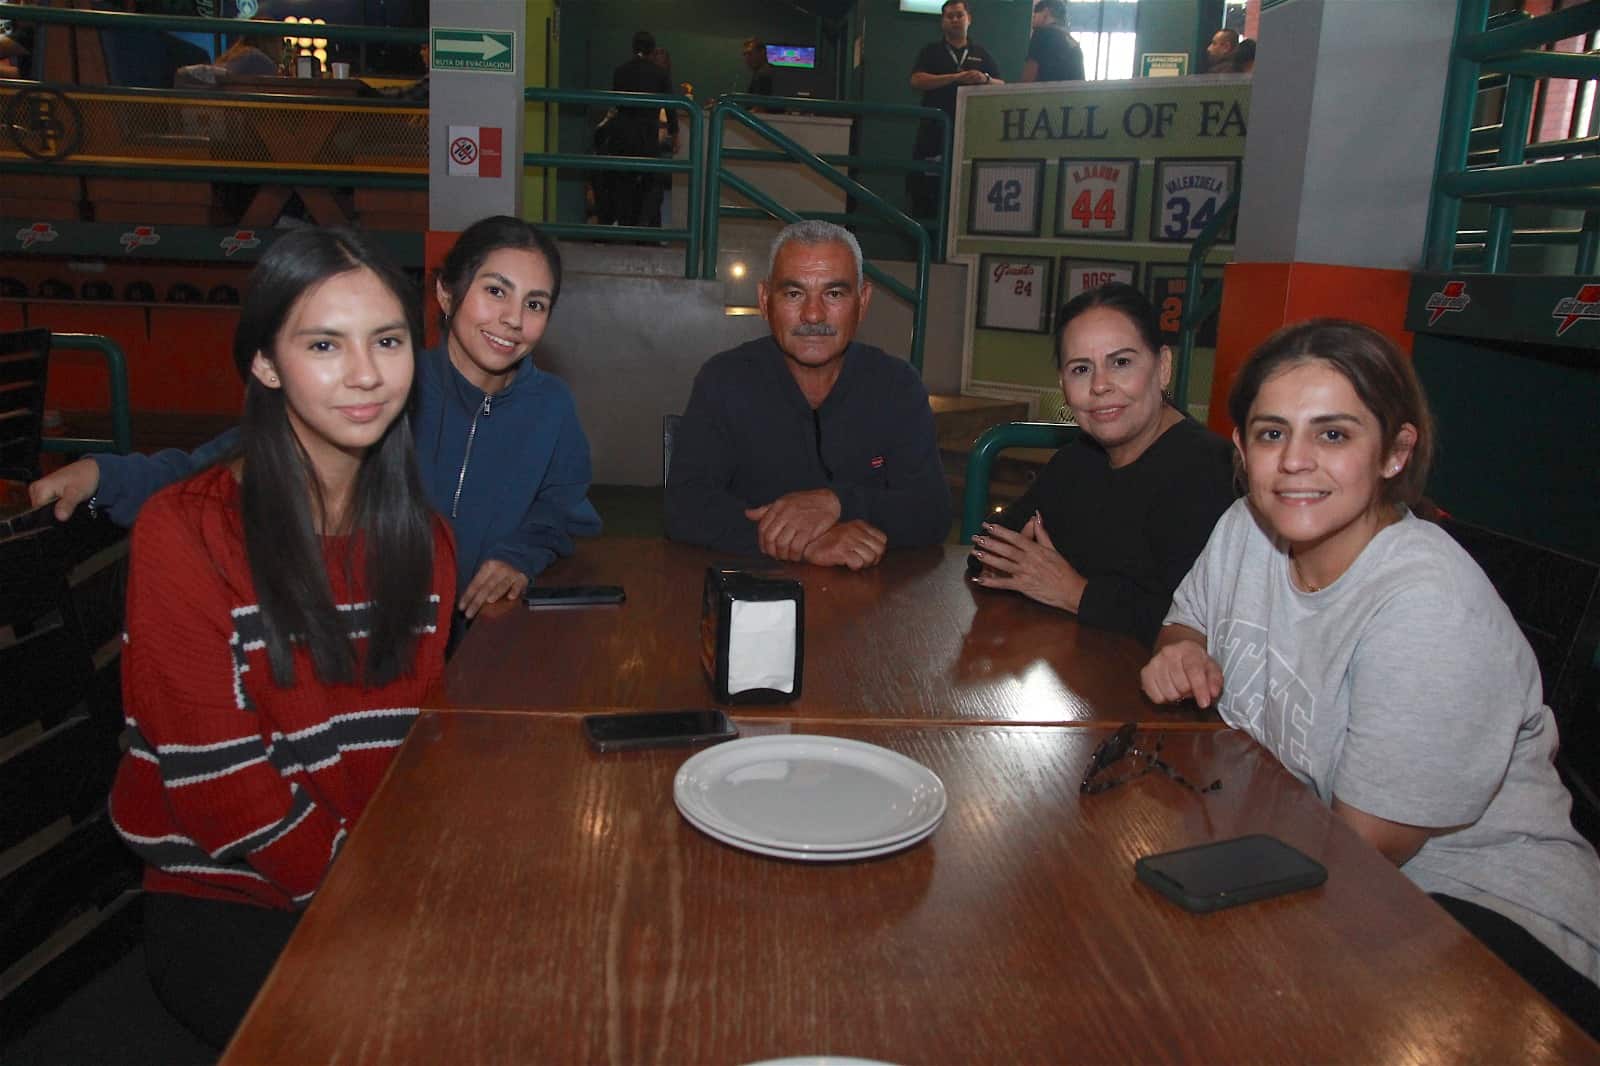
point(1519, 438)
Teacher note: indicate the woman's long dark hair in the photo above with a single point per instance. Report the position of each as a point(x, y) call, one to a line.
point(282, 497)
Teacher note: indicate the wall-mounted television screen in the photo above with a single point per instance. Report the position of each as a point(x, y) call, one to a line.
point(791, 55)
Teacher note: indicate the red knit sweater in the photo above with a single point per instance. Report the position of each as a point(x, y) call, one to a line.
point(233, 788)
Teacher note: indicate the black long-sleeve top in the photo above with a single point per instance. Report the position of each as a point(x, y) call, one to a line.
point(1133, 532)
point(749, 436)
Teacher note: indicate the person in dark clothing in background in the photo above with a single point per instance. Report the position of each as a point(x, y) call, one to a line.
point(637, 131)
point(1052, 53)
point(1219, 53)
point(940, 69)
point(806, 445)
point(755, 57)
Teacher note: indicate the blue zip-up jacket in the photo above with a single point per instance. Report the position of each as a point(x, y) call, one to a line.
point(510, 471)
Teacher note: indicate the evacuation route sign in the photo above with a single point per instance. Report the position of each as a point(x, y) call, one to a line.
point(484, 51)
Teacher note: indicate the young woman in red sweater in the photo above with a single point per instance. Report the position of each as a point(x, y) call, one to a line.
point(286, 612)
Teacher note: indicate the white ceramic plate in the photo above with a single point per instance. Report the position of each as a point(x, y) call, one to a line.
point(813, 856)
point(809, 794)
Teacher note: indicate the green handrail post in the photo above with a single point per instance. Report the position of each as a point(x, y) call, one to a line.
point(729, 107)
point(944, 180)
point(1199, 305)
point(995, 439)
point(121, 440)
point(1455, 132)
point(713, 209)
point(1514, 122)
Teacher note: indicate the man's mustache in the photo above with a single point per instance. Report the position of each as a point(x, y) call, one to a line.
point(813, 329)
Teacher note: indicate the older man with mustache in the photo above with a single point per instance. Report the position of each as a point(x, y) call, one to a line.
point(805, 445)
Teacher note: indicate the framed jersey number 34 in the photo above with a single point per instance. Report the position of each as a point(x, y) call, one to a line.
point(1188, 195)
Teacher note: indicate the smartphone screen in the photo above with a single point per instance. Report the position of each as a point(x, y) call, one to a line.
point(656, 729)
point(1229, 872)
point(572, 595)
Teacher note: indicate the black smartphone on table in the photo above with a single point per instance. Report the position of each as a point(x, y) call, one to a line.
point(657, 729)
point(1226, 873)
point(572, 595)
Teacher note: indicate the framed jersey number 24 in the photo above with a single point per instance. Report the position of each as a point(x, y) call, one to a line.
point(1188, 195)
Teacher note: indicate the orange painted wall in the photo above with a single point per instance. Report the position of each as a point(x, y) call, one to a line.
point(436, 244)
point(1258, 298)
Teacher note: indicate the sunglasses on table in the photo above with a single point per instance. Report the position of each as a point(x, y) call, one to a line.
point(1120, 745)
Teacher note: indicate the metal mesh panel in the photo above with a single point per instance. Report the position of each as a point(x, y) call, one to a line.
point(253, 134)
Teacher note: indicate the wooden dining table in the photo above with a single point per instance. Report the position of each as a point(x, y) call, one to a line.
point(910, 639)
point(511, 896)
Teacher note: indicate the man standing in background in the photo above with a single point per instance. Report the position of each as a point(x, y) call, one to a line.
point(755, 57)
point(1219, 53)
point(637, 131)
point(1052, 54)
point(940, 70)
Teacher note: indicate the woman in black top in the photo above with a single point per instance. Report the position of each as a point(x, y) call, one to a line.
point(1115, 520)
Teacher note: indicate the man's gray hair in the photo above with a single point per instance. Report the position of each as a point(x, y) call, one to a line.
point(815, 231)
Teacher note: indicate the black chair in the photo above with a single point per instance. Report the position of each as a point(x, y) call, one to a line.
point(69, 886)
point(669, 431)
point(1555, 599)
point(24, 366)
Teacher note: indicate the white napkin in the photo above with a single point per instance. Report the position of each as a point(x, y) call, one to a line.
point(761, 639)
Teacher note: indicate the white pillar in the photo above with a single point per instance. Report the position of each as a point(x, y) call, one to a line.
point(1344, 131)
point(475, 82)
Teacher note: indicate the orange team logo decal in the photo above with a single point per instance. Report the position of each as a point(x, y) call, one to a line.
point(38, 233)
point(1574, 308)
point(1453, 297)
point(140, 236)
point(244, 238)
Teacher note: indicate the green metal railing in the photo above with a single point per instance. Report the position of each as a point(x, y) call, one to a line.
point(693, 166)
point(975, 496)
point(1199, 303)
point(121, 440)
point(718, 176)
point(891, 164)
point(1563, 176)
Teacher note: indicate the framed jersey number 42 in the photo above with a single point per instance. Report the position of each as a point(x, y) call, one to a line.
point(1188, 195)
point(1004, 197)
point(1094, 198)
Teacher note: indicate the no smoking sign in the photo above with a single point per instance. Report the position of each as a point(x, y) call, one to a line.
point(474, 151)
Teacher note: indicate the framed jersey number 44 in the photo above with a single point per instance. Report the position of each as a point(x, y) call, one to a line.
point(1094, 198)
point(1188, 195)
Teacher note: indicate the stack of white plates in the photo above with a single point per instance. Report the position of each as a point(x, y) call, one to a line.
point(819, 799)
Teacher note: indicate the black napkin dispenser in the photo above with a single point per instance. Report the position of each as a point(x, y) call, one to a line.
point(752, 636)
